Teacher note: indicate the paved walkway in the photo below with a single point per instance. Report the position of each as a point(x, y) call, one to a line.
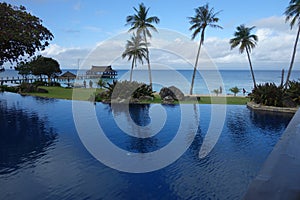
point(280, 176)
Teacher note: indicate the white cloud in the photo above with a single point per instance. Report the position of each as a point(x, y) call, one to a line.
point(171, 48)
point(77, 6)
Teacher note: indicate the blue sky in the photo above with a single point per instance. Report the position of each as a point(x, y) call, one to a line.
point(81, 25)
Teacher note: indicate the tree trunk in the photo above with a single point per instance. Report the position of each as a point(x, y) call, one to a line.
point(148, 60)
point(282, 78)
point(196, 63)
point(251, 69)
point(133, 60)
point(293, 58)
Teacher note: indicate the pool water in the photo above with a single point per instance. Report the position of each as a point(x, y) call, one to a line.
point(42, 156)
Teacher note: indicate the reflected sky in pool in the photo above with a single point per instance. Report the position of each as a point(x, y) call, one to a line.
point(42, 157)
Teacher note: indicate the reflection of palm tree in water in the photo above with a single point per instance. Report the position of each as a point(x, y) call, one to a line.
point(139, 115)
point(20, 143)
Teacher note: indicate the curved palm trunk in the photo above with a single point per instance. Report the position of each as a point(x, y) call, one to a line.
point(132, 65)
point(293, 58)
point(148, 60)
point(251, 69)
point(196, 63)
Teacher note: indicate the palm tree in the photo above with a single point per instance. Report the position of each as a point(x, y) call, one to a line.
point(292, 13)
point(142, 24)
point(135, 51)
point(204, 17)
point(247, 41)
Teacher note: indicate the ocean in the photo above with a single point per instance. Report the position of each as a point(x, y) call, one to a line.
point(205, 81)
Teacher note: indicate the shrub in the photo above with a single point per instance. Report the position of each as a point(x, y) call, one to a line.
point(126, 90)
point(293, 91)
point(268, 94)
point(40, 83)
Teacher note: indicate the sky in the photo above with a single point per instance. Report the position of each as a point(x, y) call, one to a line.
point(89, 32)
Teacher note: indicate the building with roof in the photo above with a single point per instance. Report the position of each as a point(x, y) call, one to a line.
point(101, 72)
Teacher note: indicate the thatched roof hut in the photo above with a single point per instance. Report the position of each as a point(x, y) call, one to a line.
point(67, 75)
point(102, 71)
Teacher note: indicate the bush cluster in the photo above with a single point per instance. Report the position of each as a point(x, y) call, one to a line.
point(125, 90)
point(270, 94)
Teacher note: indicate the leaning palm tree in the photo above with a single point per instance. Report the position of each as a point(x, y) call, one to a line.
point(135, 50)
point(142, 24)
point(204, 17)
point(247, 41)
point(292, 13)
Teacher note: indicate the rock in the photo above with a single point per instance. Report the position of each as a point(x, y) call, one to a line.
point(177, 92)
point(168, 100)
point(172, 91)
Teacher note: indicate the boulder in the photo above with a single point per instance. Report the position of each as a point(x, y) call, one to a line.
point(177, 92)
point(172, 91)
point(168, 100)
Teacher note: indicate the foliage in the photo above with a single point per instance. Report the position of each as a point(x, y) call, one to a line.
point(216, 91)
point(135, 50)
point(292, 13)
point(247, 41)
point(128, 90)
point(22, 34)
point(141, 23)
point(101, 83)
point(293, 91)
point(235, 90)
point(5, 88)
point(268, 94)
point(204, 17)
point(44, 66)
point(23, 68)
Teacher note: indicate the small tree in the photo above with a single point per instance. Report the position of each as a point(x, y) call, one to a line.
point(24, 69)
point(216, 91)
point(45, 66)
point(235, 90)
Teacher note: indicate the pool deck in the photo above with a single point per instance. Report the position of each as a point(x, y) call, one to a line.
point(279, 177)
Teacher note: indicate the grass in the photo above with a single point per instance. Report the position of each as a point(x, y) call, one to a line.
point(85, 93)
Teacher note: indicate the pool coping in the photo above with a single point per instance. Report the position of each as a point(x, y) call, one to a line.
point(279, 176)
point(255, 106)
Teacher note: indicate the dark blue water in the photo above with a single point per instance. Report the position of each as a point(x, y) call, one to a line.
point(42, 156)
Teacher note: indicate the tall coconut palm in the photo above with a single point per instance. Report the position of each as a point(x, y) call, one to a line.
point(204, 17)
point(292, 13)
point(142, 24)
point(135, 50)
point(247, 41)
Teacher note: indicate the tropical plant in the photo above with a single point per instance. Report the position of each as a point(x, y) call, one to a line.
point(247, 41)
point(22, 34)
point(235, 90)
point(268, 94)
point(136, 51)
point(101, 83)
point(142, 24)
point(293, 91)
point(127, 90)
point(204, 17)
point(292, 13)
point(216, 91)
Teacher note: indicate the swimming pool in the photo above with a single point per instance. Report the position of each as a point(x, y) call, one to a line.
point(42, 155)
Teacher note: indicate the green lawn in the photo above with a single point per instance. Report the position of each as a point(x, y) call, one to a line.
point(85, 93)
